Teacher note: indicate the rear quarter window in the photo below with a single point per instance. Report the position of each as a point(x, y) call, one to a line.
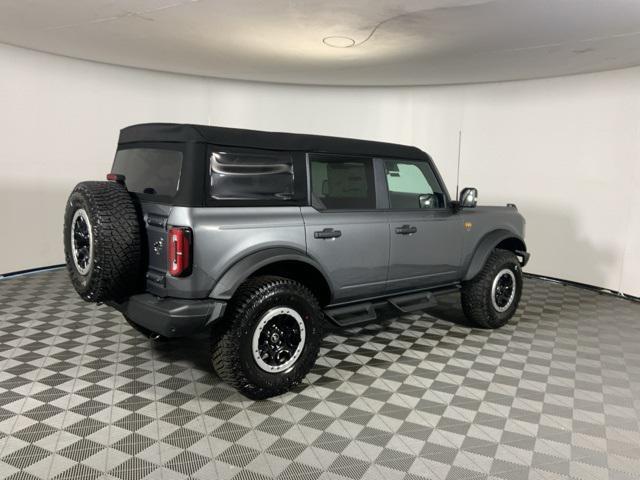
point(150, 171)
point(251, 176)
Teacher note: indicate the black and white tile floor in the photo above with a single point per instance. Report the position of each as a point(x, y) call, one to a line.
point(555, 394)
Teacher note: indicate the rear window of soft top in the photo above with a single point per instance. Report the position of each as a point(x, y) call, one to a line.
point(152, 171)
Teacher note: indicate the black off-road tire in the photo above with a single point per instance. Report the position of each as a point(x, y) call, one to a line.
point(115, 268)
point(232, 356)
point(477, 301)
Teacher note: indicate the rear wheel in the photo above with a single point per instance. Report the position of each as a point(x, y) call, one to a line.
point(491, 298)
point(269, 338)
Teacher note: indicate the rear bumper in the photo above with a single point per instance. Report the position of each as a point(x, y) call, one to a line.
point(171, 317)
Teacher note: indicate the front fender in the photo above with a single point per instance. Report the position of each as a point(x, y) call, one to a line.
point(485, 247)
point(233, 277)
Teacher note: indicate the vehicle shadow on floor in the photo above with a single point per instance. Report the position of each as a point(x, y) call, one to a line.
point(194, 351)
point(449, 309)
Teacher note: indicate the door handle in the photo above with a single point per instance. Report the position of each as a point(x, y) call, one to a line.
point(406, 230)
point(327, 233)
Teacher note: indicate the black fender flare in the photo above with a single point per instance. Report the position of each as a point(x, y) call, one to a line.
point(228, 283)
point(485, 247)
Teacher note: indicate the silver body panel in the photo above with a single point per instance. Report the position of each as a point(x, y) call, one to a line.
point(223, 236)
point(431, 256)
point(367, 260)
point(358, 259)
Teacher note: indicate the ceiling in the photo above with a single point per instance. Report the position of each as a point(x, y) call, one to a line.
point(375, 42)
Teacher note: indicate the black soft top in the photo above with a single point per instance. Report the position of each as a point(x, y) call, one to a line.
point(174, 132)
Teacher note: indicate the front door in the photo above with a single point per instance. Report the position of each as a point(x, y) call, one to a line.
point(345, 231)
point(425, 234)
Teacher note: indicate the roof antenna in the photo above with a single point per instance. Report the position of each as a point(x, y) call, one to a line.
point(459, 154)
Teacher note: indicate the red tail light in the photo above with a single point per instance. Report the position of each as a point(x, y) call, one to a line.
point(179, 251)
point(115, 177)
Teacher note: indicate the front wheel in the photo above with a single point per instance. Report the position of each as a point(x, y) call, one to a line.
point(491, 298)
point(269, 338)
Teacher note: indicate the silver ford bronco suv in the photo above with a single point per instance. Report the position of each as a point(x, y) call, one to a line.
point(261, 238)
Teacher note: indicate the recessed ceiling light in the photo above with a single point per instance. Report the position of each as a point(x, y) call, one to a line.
point(339, 42)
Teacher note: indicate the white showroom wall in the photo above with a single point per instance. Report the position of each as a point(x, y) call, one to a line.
point(565, 150)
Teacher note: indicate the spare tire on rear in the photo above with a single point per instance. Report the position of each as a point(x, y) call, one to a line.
point(102, 241)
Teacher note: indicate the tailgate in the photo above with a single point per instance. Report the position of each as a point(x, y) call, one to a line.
point(155, 222)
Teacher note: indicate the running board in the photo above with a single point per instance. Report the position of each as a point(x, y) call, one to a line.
point(365, 312)
point(414, 301)
point(352, 314)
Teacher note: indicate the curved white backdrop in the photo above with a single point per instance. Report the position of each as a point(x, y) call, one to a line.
point(565, 150)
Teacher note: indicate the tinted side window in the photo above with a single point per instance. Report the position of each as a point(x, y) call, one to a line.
point(412, 185)
point(149, 170)
point(251, 176)
point(342, 183)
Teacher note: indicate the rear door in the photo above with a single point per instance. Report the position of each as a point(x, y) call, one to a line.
point(425, 234)
point(346, 232)
point(152, 173)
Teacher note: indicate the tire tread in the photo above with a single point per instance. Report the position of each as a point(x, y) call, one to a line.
point(475, 299)
point(226, 336)
point(117, 241)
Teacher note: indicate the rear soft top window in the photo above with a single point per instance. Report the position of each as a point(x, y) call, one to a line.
point(252, 176)
point(150, 171)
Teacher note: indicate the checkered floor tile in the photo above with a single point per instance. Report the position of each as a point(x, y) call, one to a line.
point(553, 395)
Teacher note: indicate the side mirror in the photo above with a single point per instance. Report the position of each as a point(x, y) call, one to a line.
point(427, 200)
point(468, 197)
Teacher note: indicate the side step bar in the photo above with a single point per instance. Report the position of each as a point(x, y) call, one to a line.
point(352, 314)
point(365, 312)
point(414, 301)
